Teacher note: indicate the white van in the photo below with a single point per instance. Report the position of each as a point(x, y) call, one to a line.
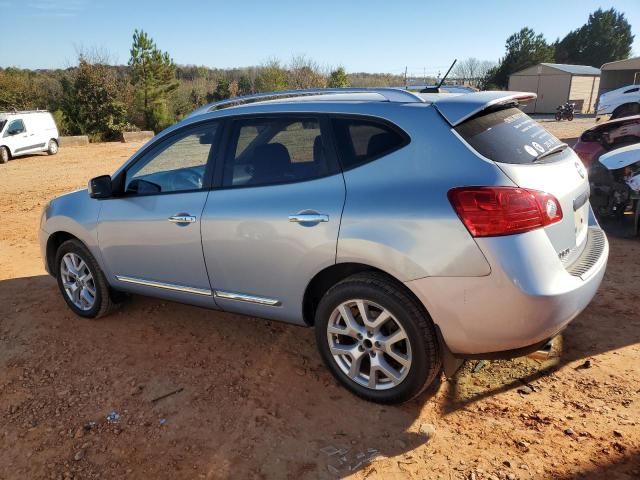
point(22, 133)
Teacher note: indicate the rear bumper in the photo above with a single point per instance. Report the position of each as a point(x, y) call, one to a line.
point(528, 298)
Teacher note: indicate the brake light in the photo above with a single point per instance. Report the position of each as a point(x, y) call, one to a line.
point(494, 211)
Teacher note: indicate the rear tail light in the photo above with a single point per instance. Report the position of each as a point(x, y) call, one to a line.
point(494, 211)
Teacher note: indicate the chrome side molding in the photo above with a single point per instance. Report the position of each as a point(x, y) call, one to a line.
point(166, 286)
point(241, 297)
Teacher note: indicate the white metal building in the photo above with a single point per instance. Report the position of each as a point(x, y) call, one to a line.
point(557, 83)
point(619, 74)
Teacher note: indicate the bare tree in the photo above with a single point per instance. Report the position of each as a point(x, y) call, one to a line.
point(472, 71)
point(305, 73)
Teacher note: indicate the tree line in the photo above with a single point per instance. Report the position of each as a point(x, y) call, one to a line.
point(151, 92)
point(606, 37)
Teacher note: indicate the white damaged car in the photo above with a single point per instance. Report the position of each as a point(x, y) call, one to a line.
point(621, 102)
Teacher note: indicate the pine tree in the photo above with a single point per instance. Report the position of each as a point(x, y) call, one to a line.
point(153, 74)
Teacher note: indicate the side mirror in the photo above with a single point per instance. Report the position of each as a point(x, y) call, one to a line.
point(100, 187)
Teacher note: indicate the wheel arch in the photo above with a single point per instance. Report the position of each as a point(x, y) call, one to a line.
point(329, 276)
point(616, 111)
point(8, 150)
point(53, 243)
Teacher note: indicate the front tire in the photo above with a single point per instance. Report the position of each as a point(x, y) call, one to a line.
point(4, 155)
point(558, 116)
point(377, 339)
point(52, 148)
point(81, 281)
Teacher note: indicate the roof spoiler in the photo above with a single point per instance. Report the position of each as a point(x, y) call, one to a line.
point(457, 109)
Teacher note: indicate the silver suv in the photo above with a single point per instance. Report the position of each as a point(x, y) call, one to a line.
point(408, 230)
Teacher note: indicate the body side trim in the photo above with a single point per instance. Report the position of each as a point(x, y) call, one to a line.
point(241, 297)
point(166, 286)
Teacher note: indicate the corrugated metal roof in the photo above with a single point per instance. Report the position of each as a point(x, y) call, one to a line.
point(628, 64)
point(574, 69)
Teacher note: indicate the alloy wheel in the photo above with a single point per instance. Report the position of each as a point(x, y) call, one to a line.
point(369, 344)
point(78, 281)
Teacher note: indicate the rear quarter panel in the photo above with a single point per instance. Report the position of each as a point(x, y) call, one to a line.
point(397, 216)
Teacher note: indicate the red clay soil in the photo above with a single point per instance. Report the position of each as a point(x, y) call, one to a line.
point(255, 400)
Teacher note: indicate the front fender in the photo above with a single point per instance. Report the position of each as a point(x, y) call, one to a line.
point(75, 214)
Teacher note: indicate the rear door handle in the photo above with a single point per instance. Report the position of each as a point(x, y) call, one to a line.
point(182, 219)
point(308, 218)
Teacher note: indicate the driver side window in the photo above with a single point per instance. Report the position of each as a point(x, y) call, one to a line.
point(16, 127)
point(177, 165)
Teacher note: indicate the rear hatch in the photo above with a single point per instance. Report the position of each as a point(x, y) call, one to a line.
point(535, 159)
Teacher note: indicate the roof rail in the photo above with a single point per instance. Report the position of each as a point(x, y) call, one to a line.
point(15, 112)
point(389, 94)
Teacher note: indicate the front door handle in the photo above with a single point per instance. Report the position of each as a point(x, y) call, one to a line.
point(182, 219)
point(308, 218)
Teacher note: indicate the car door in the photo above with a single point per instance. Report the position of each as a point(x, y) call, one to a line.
point(272, 222)
point(149, 236)
point(16, 137)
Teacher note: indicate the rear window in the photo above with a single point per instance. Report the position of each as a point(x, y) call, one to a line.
point(508, 136)
point(361, 141)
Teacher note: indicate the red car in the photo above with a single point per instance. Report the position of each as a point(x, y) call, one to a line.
point(607, 136)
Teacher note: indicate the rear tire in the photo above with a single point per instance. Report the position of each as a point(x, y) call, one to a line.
point(78, 271)
point(626, 110)
point(558, 116)
point(52, 148)
point(570, 117)
point(406, 341)
point(4, 155)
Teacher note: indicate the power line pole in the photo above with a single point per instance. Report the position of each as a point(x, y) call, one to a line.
point(406, 85)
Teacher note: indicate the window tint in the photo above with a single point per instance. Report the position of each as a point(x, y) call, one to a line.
point(15, 127)
point(360, 141)
point(509, 136)
point(275, 150)
point(178, 165)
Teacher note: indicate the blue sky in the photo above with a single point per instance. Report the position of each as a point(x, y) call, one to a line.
point(371, 36)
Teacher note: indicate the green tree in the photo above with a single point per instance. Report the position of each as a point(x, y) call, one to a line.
point(244, 85)
point(338, 78)
point(523, 49)
point(221, 92)
point(90, 104)
point(153, 75)
point(271, 77)
point(606, 37)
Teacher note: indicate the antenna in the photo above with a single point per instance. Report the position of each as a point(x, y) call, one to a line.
point(447, 74)
point(436, 89)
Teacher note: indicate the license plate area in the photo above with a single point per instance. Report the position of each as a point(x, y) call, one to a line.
point(580, 221)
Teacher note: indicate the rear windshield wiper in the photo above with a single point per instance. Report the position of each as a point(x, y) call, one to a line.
point(555, 149)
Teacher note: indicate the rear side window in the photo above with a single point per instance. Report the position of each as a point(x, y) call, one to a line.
point(508, 136)
point(361, 141)
point(269, 151)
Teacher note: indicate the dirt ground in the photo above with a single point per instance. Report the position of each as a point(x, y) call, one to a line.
point(254, 400)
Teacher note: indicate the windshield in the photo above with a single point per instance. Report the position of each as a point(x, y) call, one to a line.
point(510, 136)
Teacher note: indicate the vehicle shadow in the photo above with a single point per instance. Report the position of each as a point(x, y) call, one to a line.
point(253, 399)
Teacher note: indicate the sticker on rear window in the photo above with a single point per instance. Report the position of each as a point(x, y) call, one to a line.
point(509, 136)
